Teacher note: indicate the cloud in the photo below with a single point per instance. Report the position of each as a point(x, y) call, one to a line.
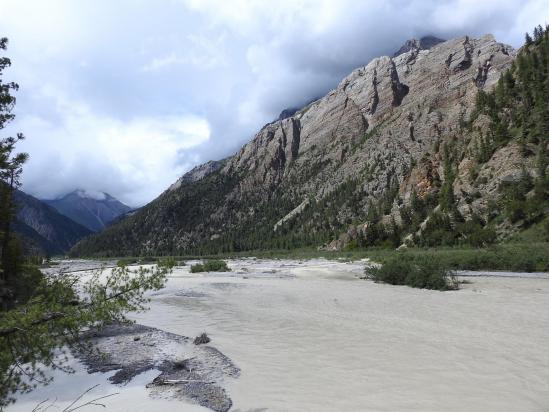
point(204, 54)
point(135, 159)
point(125, 96)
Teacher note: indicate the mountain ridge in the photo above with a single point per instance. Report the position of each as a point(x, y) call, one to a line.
point(423, 43)
point(93, 210)
point(392, 132)
point(43, 229)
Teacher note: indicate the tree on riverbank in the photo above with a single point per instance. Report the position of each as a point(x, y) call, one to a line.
point(42, 316)
point(10, 172)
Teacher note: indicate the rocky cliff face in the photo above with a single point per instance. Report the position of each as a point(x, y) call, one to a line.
point(198, 173)
point(377, 137)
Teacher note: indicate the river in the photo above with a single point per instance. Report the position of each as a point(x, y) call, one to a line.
point(311, 336)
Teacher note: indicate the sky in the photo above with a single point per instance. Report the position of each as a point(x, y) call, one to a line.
point(126, 96)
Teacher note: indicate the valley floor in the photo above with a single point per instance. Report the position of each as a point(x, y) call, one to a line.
point(311, 336)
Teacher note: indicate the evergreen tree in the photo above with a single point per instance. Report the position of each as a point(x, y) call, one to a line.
point(10, 172)
point(39, 315)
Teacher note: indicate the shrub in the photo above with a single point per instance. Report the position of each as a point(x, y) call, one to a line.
point(528, 256)
point(210, 266)
point(126, 262)
point(424, 274)
point(197, 268)
point(169, 262)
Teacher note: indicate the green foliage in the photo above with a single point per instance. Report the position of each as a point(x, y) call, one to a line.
point(450, 229)
point(446, 196)
point(522, 257)
point(210, 266)
point(10, 173)
point(474, 233)
point(199, 198)
point(518, 107)
point(423, 274)
point(438, 231)
point(126, 262)
point(194, 223)
point(58, 309)
point(168, 261)
point(524, 200)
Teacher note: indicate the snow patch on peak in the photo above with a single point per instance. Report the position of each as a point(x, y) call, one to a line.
point(91, 194)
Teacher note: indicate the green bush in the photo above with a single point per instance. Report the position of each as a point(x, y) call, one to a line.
point(168, 261)
point(527, 256)
point(126, 262)
point(419, 273)
point(210, 266)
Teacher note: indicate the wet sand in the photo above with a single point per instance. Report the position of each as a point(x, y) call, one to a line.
point(311, 336)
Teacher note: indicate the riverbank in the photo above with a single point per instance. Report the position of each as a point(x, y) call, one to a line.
point(312, 336)
point(515, 256)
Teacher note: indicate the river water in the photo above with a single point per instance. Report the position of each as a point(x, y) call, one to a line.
point(311, 336)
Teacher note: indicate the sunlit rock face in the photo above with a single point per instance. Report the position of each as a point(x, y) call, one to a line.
point(384, 124)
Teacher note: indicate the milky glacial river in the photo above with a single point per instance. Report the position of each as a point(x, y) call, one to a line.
point(311, 336)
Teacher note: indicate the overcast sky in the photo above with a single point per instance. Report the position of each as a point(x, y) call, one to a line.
point(125, 96)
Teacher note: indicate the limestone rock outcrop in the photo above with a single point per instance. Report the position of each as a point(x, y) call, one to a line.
point(382, 126)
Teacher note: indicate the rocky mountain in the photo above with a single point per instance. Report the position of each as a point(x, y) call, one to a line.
point(425, 43)
point(198, 173)
point(290, 111)
point(417, 148)
point(94, 211)
point(43, 229)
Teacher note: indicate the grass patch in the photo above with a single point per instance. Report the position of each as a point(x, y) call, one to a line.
point(515, 257)
point(127, 262)
point(425, 274)
point(210, 266)
point(521, 256)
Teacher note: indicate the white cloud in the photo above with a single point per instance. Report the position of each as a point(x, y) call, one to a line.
point(135, 159)
point(124, 96)
point(203, 53)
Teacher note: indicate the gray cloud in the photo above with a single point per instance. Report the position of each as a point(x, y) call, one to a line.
point(125, 96)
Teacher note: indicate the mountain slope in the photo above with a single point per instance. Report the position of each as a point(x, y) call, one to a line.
point(93, 212)
point(372, 162)
point(43, 229)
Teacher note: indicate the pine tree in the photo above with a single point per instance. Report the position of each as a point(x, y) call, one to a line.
point(10, 172)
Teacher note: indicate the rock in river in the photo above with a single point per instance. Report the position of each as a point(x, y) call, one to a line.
point(186, 371)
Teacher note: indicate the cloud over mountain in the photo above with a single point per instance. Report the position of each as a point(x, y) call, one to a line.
point(123, 97)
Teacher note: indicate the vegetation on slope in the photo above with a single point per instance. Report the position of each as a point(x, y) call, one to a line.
point(516, 113)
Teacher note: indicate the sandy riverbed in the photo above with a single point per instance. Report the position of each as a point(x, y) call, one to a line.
point(310, 336)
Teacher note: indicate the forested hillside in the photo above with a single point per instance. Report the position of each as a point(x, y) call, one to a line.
point(443, 146)
point(43, 230)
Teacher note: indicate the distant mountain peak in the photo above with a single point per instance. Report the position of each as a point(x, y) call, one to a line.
point(87, 194)
point(43, 229)
point(92, 209)
point(424, 43)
